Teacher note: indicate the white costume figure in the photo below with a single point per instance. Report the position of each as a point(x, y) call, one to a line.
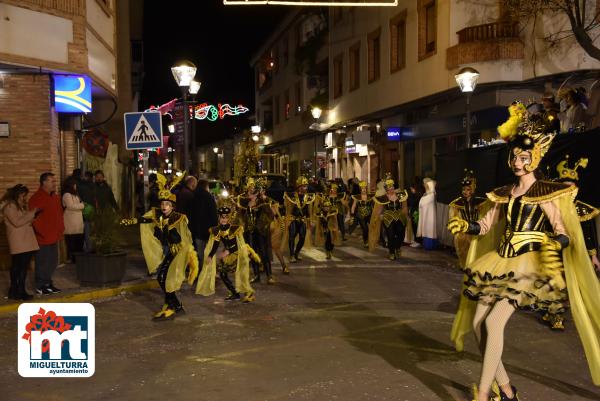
point(427, 216)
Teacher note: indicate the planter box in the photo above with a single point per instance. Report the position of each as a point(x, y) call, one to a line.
point(99, 270)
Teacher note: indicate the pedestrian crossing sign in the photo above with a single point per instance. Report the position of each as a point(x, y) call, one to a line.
point(143, 130)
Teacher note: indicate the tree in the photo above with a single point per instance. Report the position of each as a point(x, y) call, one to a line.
point(583, 17)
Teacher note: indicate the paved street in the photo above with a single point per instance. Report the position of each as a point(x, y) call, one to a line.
point(355, 328)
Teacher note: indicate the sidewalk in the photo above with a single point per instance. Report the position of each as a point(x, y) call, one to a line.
point(136, 279)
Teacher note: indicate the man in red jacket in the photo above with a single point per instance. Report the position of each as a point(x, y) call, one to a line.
point(49, 227)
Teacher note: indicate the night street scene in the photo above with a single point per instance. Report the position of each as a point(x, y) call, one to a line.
point(272, 200)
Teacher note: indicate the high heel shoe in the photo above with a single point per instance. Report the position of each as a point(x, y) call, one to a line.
point(504, 397)
point(476, 394)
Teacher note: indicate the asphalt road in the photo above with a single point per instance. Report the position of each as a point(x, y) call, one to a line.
point(358, 327)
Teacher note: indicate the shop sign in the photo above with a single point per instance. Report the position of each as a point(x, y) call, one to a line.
point(394, 133)
point(72, 93)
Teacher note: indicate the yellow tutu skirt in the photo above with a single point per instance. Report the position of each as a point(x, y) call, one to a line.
point(521, 280)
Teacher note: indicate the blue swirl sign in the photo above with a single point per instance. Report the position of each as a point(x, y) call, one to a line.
point(73, 93)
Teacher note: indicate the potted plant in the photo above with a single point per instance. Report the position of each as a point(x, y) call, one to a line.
point(106, 264)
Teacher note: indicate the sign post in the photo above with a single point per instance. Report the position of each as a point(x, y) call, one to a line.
point(143, 131)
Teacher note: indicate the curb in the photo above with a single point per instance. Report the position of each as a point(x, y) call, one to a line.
point(86, 296)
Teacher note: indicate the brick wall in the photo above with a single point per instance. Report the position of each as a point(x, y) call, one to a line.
point(34, 143)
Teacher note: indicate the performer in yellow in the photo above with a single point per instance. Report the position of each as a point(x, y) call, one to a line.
point(362, 209)
point(277, 228)
point(468, 207)
point(339, 202)
point(515, 264)
point(392, 210)
point(587, 213)
point(255, 215)
point(226, 252)
point(298, 217)
point(326, 232)
point(168, 249)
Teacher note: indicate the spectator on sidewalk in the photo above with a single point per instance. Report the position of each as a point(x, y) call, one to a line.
point(103, 194)
point(153, 189)
point(203, 217)
point(49, 228)
point(551, 111)
point(22, 243)
point(85, 190)
point(73, 218)
point(573, 116)
point(185, 196)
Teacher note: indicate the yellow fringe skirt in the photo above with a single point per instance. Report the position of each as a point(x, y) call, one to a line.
point(520, 279)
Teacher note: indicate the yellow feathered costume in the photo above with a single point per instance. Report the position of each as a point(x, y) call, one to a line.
point(206, 281)
point(184, 251)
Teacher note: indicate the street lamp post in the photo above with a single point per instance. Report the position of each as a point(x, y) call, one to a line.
point(194, 88)
point(467, 81)
point(316, 113)
point(184, 73)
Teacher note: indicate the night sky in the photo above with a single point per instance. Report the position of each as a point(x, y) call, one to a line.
point(220, 40)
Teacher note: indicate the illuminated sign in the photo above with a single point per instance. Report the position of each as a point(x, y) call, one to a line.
point(72, 93)
point(209, 112)
point(394, 134)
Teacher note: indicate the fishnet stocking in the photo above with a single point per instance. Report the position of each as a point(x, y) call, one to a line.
point(481, 312)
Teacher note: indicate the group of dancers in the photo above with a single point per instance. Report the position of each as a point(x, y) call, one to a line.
point(529, 245)
point(253, 227)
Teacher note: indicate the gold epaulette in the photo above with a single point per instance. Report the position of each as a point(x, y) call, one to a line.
point(458, 203)
point(235, 230)
point(309, 198)
point(585, 212)
point(546, 191)
point(402, 195)
point(177, 217)
point(381, 200)
point(238, 202)
point(500, 195)
point(286, 197)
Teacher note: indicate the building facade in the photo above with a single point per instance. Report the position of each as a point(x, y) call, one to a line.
point(291, 70)
point(42, 42)
point(393, 99)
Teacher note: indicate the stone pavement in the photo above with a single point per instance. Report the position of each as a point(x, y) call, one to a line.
point(359, 328)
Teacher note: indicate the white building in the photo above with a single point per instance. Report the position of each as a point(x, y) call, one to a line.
point(392, 69)
point(291, 70)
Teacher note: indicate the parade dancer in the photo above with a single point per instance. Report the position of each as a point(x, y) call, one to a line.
point(339, 202)
point(256, 215)
point(391, 209)
point(168, 249)
point(326, 232)
point(277, 228)
point(299, 212)
point(362, 208)
point(514, 263)
point(587, 214)
point(226, 253)
point(468, 207)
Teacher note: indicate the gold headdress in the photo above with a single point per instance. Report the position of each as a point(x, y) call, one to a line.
point(301, 181)
point(250, 184)
point(389, 181)
point(362, 184)
point(333, 187)
point(526, 133)
point(570, 174)
point(261, 183)
point(165, 190)
point(469, 180)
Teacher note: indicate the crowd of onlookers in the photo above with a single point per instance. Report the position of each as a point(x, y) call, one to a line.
point(36, 225)
point(572, 110)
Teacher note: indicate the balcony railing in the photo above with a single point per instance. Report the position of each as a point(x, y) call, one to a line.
point(73, 7)
point(495, 30)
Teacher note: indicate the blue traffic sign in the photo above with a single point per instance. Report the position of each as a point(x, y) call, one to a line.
point(143, 130)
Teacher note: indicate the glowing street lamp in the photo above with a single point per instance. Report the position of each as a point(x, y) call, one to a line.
point(255, 129)
point(184, 73)
point(255, 137)
point(467, 81)
point(216, 150)
point(194, 87)
point(171, 128)
point(316, 112)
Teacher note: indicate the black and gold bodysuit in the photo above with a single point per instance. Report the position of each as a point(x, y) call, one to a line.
point(257, 222)
point(225, 236)
point(468, 208)
point(587, 214)
point(526, 222)
point(298, 207)
point(363, 211)
point(338, 204)
point(394, 219)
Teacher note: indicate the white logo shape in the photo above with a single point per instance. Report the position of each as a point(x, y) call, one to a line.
point(143, 132)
